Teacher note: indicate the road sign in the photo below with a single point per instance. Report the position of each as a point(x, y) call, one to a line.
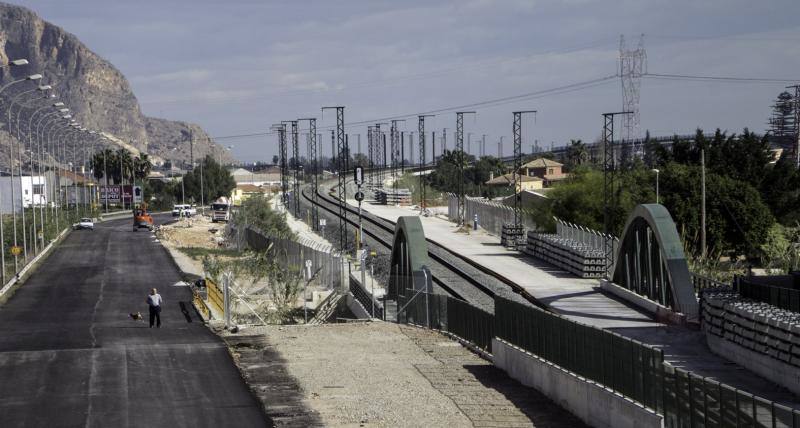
point(323, 222)
point(308, 263)
point(359, 196)
point(359, 175)
point(362, 255)
point(15, 250)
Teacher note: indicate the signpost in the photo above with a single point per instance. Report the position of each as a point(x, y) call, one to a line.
point(359, 180)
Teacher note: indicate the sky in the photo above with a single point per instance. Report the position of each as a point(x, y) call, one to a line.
point(236, 67)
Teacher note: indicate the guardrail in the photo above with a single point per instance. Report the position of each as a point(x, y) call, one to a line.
point(704, 283)
point(630, 368)
point(366, 299)
point(784, 298)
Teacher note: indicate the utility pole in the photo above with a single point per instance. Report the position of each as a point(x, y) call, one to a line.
point(518, 166)
point(395, 149)
point(444, 140)
point(608, 187)
point(314, 167)
point(433, 147)
point(403, 151)
point(483, 145)
point(340, 145)
point(281, 128)
point(371, 152)
point(411, 148)
point(295, 167)
point(421, 123)
point(461, 158)
point(703, 204)
point(500, 147)
point(380, 144)
point(796, 103)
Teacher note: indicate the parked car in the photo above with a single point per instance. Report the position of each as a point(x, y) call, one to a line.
point(183, 210)
point(84, 223)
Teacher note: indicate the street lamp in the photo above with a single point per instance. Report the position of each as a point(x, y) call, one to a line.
point(656, 171)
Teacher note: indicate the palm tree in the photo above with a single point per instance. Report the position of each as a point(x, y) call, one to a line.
point(577, 153)
point(142, 166)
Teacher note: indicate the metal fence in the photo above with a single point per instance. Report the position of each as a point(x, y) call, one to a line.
point(630, 368)
point(693, 401)
point(622, 364)
point(579, 235)
point(491, 214)
point(372, 305)
point(296, 253)
point(784, 298)
point(703, 283)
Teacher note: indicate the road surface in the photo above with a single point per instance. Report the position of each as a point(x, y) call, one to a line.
point(71, 356)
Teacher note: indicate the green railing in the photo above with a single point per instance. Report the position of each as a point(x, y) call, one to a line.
point(693, 401)
point(782, 297)
point(702, 283)
point(622, 364)
point(632, 369)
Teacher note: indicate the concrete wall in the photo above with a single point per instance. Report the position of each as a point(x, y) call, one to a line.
point(594, 404)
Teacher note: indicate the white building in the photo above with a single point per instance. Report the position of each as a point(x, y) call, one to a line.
point(33, 192)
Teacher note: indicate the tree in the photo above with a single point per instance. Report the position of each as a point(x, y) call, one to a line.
point(142, 166)
point(577, 154)
point(782, 124)
point(216, 181)
point(257, 211)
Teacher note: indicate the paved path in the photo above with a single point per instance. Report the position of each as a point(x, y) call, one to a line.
point(71, 356)
point(575, 298)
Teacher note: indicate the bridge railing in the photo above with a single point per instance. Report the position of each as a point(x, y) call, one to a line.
point(632, 369)
point(782, 297)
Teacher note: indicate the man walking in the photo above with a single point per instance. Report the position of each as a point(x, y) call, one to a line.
point(154, 302)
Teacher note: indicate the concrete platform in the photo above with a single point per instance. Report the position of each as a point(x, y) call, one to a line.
point(576, 298)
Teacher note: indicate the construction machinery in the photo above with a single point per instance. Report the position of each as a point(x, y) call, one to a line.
point(141, 218)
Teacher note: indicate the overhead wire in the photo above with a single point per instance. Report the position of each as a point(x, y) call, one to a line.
point(485, 103)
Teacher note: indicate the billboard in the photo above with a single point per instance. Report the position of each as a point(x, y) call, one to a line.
point(126, 192)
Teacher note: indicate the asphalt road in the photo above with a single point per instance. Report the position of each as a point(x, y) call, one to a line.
point(71, 356)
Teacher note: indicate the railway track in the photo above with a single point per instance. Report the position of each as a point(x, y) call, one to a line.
point(457, 275)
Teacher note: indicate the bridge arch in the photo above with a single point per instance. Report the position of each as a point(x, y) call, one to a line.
point(409, 272)
point(651, 262)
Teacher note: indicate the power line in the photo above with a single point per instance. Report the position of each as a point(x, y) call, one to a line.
point(486, 104)
point(717, 78)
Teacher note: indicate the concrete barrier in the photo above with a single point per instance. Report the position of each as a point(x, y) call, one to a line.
point(594, 404)
point(659, 312)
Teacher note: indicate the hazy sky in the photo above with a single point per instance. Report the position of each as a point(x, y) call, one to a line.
point(237, 66)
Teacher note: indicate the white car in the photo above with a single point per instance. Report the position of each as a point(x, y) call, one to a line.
point(84, 223)
point(183, 210)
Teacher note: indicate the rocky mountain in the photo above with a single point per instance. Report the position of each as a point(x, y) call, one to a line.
point(97, 94)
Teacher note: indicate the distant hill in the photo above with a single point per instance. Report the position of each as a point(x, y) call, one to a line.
point(96, 92)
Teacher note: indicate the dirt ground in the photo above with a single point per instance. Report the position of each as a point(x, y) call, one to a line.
point(380, 375)
point(193, 232)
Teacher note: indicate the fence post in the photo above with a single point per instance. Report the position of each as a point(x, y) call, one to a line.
point(226, 296)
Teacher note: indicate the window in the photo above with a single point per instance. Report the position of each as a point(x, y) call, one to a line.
point(38, 189)
point(26, 192)
point(550, 170)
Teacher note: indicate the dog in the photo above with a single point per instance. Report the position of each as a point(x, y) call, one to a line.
point(136, 317)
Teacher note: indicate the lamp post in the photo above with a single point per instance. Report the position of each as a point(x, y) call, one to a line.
point(33, 77)
point(656, 171)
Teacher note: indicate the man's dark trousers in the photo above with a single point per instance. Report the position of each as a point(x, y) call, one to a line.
point(155, 315)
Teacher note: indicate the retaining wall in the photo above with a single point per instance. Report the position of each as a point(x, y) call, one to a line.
point(594, 404)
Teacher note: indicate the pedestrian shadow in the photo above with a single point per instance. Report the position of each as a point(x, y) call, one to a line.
point(185, 310)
